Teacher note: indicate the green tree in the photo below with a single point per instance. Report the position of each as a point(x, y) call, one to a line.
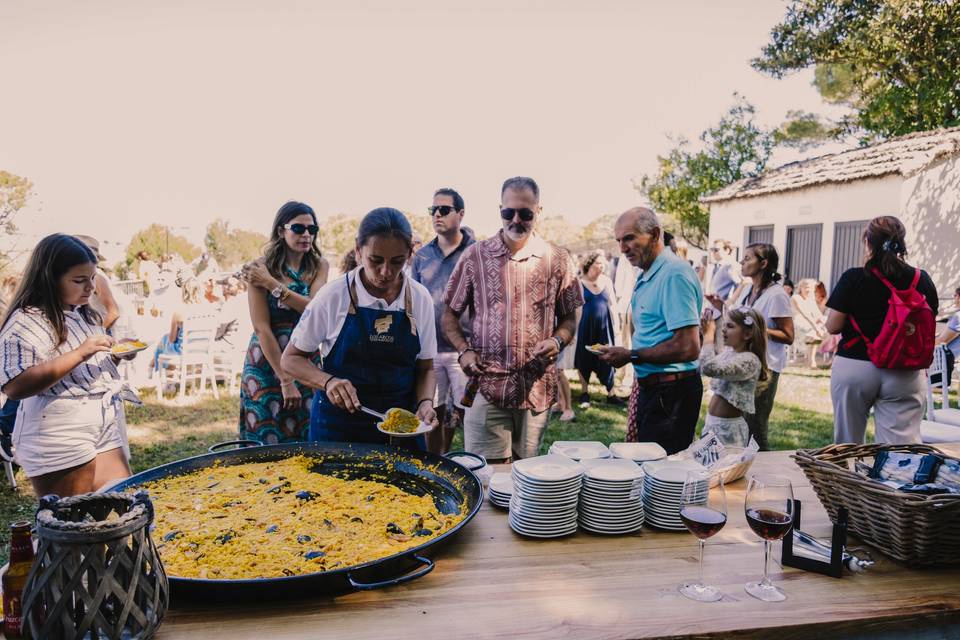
point(895, 63)
point(735, 148)
point(559, 230)
point(158, 240)
point(232, 247)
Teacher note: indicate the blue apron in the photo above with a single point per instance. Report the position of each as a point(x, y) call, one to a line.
point(377, 352)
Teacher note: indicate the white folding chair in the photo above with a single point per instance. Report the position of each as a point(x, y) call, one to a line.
point(195, 362)
point(936, 378)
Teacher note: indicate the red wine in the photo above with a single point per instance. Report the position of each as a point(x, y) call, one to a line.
point(702, 522)
point(769, 524)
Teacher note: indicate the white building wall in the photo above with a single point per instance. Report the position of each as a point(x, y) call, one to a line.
point(827, 204)
point(931, 214)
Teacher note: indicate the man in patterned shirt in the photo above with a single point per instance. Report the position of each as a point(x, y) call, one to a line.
point(523, 297)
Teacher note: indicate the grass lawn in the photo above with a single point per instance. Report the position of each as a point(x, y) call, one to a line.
point(161, 433)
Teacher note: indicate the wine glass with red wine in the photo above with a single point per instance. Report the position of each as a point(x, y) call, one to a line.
point(769, 511)
point(704, 514)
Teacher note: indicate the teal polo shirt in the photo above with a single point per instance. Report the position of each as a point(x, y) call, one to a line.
point(667, 297)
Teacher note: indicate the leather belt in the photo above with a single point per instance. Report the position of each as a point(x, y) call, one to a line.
point(663, 378)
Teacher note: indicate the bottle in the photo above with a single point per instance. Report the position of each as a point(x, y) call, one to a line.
point(21, 560)
point(470, 391)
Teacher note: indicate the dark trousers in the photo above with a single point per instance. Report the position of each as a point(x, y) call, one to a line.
point(759, 422)
point(667, 413)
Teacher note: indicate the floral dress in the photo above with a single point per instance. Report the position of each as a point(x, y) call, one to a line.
point(262, 417)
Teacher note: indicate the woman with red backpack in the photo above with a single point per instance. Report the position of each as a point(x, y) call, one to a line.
point(884, 313)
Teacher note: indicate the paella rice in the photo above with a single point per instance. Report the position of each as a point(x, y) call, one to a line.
point(400, 421)
point(274, 519)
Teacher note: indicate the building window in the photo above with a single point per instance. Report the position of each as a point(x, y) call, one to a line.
point(847, 248)
point(802, 259)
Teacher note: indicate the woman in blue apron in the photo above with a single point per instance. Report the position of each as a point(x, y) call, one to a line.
point(376, 331)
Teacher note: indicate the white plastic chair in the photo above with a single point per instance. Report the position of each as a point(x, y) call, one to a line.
point(195, 363)
point(938, 368)
point(8, 461)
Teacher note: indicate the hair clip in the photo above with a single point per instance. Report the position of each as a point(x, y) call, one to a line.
point(891, 245)
point(748, 320)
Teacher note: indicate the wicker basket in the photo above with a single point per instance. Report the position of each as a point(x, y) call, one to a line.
point(97, 572)
point(914, 529)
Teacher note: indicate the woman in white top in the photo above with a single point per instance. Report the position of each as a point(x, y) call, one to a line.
point(70, 434)
point(763, 293)
point(376, 331)
point(737, 372)
point(808, 319)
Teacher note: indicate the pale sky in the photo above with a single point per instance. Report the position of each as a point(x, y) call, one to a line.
point(125, 113)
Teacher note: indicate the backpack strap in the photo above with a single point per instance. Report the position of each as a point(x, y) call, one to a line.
point(852, 341)
point(913, 283)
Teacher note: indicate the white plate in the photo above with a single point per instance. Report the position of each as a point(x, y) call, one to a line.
point(638, 451)
point(501, 482)
point(674, 471)
point(423, 428)
point(612, 471)
point(580, 450)
point(519, 478)
point(128, 352)
point(610, 530)
point(532, 534)
point(599, 518)
point(548, 468)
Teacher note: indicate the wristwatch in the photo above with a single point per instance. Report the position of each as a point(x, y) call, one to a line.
point(560, 344)
point(277, 291)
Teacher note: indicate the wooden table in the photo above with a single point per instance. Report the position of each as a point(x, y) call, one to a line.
point(492, 583)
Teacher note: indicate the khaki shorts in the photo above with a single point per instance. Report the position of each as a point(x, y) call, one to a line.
point(53, 434)
point(497, 433)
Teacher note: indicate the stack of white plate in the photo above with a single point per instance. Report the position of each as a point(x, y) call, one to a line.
point(662, 489)
point(545, 494)
point(610, 500)
point(500, 489)
point(639, 452)
point(580, 450)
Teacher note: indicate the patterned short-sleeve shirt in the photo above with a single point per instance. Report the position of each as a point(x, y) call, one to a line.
point(515, 302)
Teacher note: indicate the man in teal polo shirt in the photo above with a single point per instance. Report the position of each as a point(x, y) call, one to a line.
point(666, 305)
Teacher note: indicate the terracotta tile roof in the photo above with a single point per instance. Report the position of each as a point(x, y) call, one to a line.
point(905, 155)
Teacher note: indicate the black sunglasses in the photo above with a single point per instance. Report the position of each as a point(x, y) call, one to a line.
point(525, 214)
point(298, 228)
point(444, 209)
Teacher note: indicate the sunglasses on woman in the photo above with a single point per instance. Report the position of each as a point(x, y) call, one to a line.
point(299, 229)
point(525, 214)
point(442, 209)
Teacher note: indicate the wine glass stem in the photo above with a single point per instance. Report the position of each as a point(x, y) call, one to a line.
point(700, 581)
point(766, 561)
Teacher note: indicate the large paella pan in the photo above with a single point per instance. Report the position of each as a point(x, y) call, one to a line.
point(451, 487)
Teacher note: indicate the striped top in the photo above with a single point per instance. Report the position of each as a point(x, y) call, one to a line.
point(28, 339)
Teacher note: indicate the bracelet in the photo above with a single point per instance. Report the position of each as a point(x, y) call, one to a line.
point(462, 353)
point(559, 342)
point(327, 382)
point(284, 294)
point(422, 401)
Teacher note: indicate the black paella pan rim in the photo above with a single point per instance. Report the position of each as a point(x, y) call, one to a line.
point(456, 480)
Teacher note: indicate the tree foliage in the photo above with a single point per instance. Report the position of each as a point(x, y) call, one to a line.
point(14, 193)
point(157, 240)
point(232, 247)
point(895, 63)
point(735, 148)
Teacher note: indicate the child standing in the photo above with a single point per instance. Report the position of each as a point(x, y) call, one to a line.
point(736, 371)
point(70, 432)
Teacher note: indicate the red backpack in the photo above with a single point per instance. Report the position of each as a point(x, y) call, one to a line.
point(906, 337)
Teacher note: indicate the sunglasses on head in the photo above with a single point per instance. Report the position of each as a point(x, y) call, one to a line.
point(299, 229)
point(442, 209)
point(525, 214)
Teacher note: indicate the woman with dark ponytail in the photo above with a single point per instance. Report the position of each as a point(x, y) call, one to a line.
point(764, 293)
point(861, 299)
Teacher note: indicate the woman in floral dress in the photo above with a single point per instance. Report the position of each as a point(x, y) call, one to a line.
point(273, 406)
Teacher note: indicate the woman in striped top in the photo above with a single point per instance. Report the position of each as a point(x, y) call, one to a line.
point(70, 433)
